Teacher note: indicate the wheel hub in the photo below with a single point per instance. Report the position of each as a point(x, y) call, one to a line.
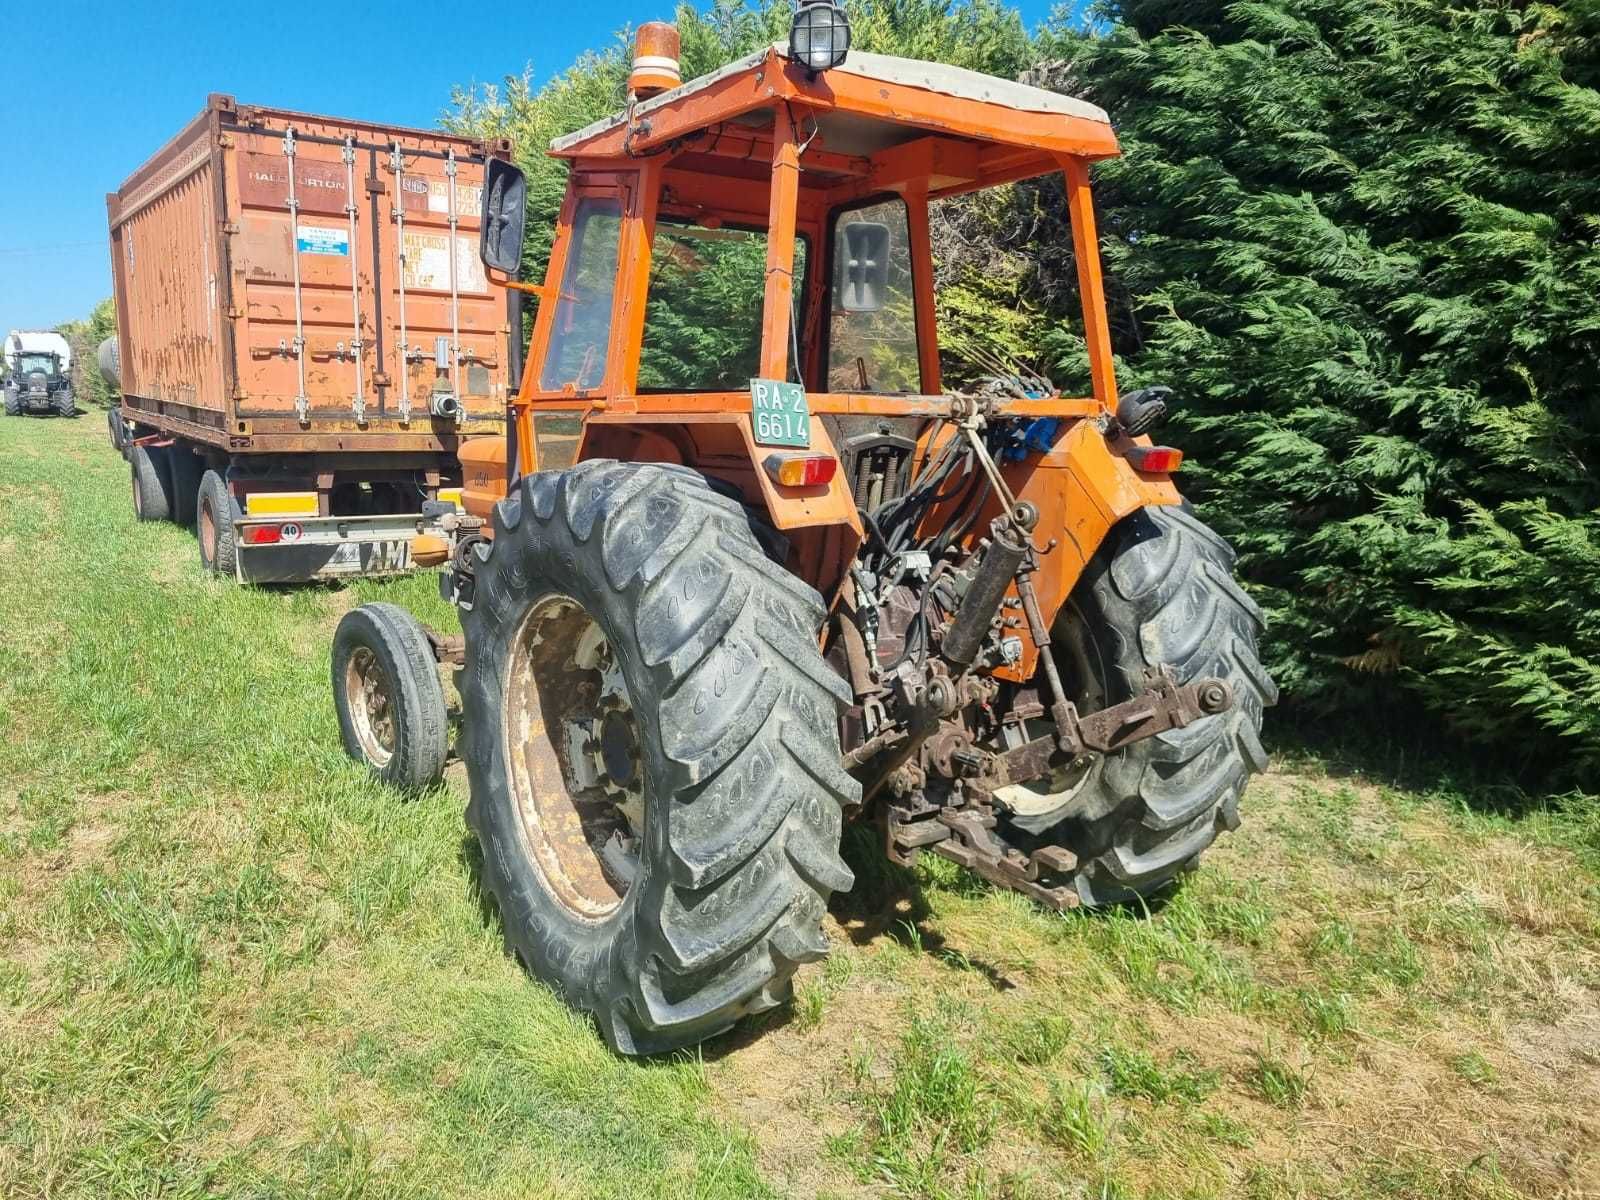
point(575, 768)
point(370, 691)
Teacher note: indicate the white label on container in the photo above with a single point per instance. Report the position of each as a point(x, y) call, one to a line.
point(319, 239)
point(469, 199)
point(428, 262)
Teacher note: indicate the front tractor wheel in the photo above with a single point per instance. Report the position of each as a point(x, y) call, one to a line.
point(651, 738)
point(1160, 592)
point(387, 692)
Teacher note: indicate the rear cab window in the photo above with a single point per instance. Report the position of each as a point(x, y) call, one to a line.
point(874, 352)
point(702, 324)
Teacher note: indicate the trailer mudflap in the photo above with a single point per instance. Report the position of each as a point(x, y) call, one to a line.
point(296, 550)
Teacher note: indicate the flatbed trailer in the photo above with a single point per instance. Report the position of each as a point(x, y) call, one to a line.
point(306, 335)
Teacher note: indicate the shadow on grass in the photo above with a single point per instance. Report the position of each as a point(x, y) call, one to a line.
point(1406, 748)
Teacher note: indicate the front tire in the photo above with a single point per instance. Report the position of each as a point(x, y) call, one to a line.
point(152, 483)
point(679, 889)
point(66, 405)
point(386, 689)
point(215, 513)
point(1160, 591)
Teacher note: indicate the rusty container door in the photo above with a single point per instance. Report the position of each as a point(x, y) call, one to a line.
point(165, 251)
point(352, 310)
point(446, 325)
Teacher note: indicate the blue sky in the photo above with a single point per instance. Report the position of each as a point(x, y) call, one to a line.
point(90, 90)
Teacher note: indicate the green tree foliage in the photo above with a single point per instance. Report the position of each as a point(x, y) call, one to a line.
point(85, 337)
point(1362, 242)
point(982, 34)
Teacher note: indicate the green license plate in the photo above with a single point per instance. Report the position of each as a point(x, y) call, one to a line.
point(779, 413)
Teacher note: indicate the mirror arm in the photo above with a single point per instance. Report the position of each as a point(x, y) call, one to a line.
point(542, 290)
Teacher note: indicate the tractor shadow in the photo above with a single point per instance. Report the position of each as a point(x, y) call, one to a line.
point(888, 901)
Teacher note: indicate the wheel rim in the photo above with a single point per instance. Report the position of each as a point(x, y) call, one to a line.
point(369, 697)
point(575, 769)
point(1082, 672)
point(208, 532)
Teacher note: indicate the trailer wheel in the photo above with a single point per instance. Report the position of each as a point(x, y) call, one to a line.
point(1159, 591)
point(390, 701)
point(651, 736)
point(215, 512)
point(152, 483)
point(118, 432)
point(186, 471)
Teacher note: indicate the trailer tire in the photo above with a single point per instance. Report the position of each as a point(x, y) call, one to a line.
point(215, 512)
point(1160, 590)
point(186, 471)
point(118, 432)
point(387, 692)
point(152, 483)
point(668, 613)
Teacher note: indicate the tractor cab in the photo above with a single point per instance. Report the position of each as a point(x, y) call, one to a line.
point(742, 273)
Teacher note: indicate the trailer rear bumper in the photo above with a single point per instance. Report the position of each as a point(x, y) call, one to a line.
point(277, 549)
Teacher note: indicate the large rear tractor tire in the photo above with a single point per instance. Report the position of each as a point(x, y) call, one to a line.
point(152, 482)
point(387, 692)
point(651, 737)
point(1160, 591)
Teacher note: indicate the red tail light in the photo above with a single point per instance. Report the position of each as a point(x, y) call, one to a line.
point(801, 470)
point(261, 535)
point(1155, 460)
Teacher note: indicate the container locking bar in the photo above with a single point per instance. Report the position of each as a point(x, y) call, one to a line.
point(301, 403)
point(359, 403)
point(400, 253)
point(455, 292)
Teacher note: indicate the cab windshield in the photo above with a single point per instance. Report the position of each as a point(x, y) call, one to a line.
point(29, 363)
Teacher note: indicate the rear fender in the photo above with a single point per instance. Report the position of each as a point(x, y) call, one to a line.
point(1082, 487)
point(821, 523)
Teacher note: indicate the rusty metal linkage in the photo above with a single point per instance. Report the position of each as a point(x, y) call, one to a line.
point(1166, 705)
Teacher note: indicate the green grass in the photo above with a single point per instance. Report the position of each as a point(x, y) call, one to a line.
point(233, 965)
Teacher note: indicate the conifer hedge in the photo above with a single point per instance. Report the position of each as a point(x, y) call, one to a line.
point(1360, 240)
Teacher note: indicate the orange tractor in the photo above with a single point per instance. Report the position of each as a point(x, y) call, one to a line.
point(745, 569)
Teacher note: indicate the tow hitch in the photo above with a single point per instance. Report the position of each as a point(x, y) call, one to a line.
point(964, 835)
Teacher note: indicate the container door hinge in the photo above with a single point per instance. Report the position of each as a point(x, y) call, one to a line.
point(230, 228)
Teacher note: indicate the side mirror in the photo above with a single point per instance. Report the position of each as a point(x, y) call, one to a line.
point(863, 271)
point(505, 213)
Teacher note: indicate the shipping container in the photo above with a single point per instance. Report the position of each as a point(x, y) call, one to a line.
point(302, 312)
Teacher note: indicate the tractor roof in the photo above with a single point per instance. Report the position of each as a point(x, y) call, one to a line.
point(972, 129)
